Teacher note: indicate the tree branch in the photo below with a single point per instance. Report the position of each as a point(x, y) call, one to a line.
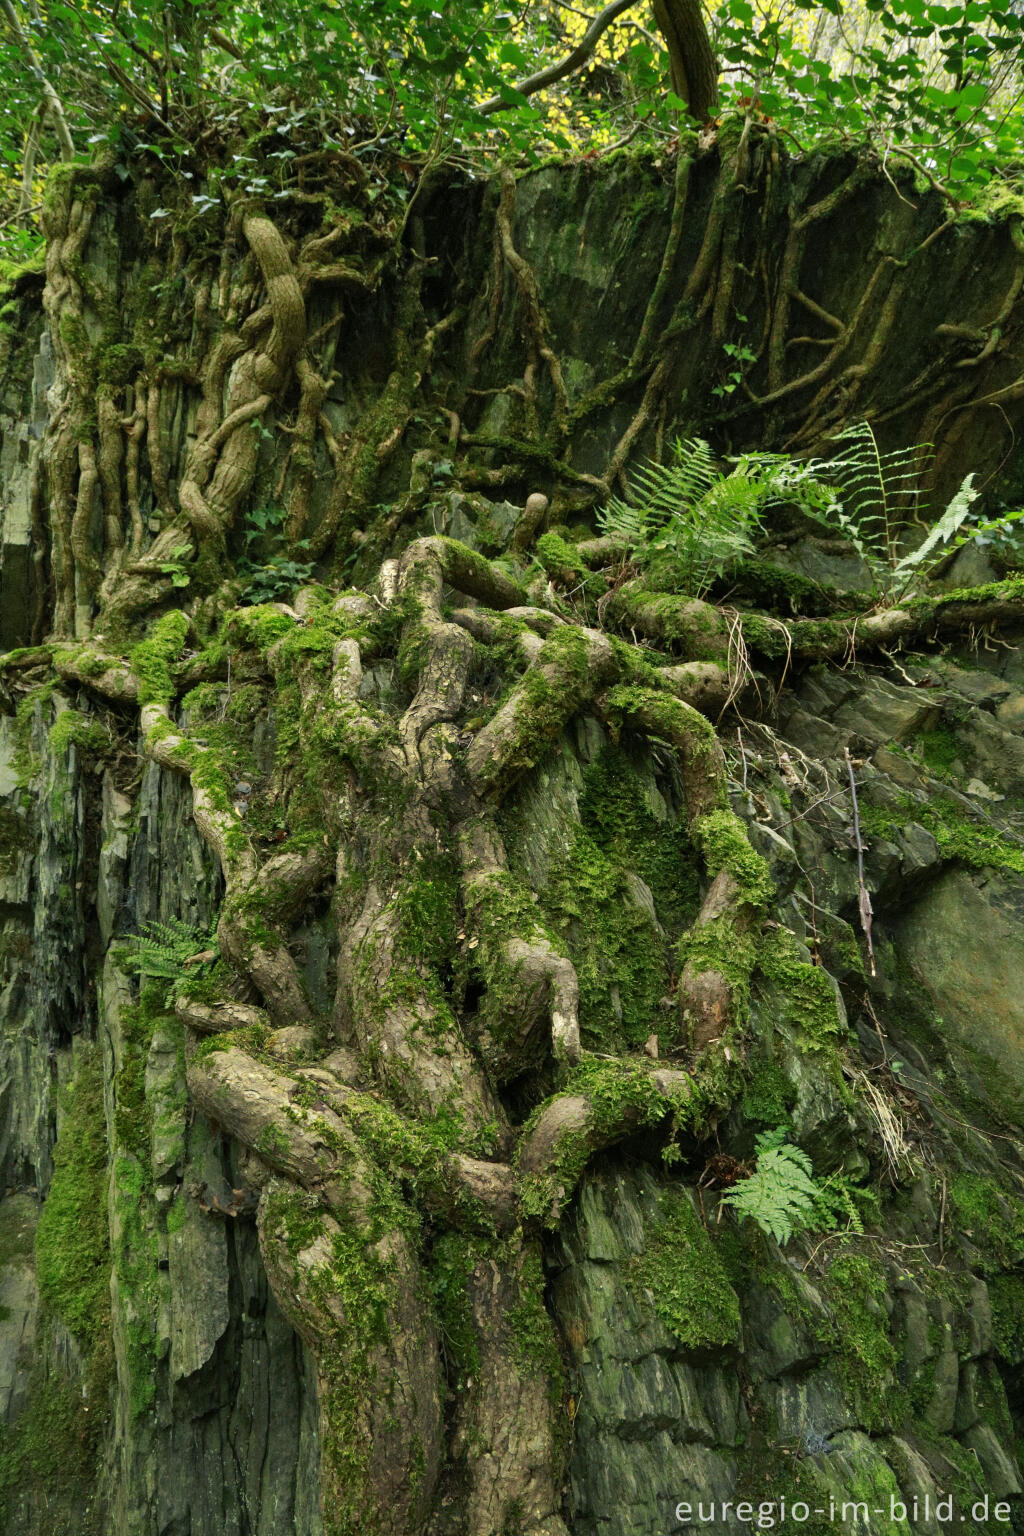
point(567, 66)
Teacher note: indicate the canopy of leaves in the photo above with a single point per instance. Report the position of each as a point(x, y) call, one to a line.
point(937, 83)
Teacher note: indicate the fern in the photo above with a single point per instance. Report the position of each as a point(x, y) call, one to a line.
point(881, 492)
point(168, 951)
point(703, 519)
point(837, 1205)
point(781, 1196)
point(928, 552)
point(660, 493)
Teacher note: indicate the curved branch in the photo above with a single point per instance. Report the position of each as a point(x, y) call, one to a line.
point(567, 66)
point(700, 629)
point(948, 613)
point(268, 1111)
point(527, 978)
point(610, 1103)
point(440, 651)
point(701, 757)
point(572, 666)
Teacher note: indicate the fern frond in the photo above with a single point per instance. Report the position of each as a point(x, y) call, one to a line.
point(621, 520)
point(658, 492)
point(164, 950)
point(704, 519)
point(878, 488)
point(836, 1204)
point(945, 530)
point(781, 1195)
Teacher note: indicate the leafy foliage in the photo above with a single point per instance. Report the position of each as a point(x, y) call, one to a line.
point(175, 566)
point(880, 491)
point(880, 494)
point(168, 951)
point(274, 577)
point(704, 520)
point(418, 80)
point(781, 1195)
point(932, 83)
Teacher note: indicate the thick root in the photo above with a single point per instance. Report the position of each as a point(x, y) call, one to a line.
point(349, 1283)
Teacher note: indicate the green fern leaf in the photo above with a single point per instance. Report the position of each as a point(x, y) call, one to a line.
point(880, 490)
point(781, 1195)
point(945, 530)
point(167, 951)
point(703, 519)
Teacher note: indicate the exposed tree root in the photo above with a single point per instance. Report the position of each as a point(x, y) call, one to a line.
point(457, 1009)
point(344, 1163)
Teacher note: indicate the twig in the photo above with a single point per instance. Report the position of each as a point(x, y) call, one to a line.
point(942, 1223)
point(800, 816)
point(864, 900)
point(22, 213)
point(878, 1029)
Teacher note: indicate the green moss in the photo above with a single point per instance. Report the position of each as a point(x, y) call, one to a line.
point(118, 365)
point(25, 761)
point(1006, 1293)
point(87, 735)
point(260, 627)
point(856, 1289)
point(72, 1243)
point(680, 1274)
point(764, 637)
point(616, 816)
point(136, 1261)
point(534, 1347)
point(730, 950)
point(138, 1116)
point(621, 959)
point(769, 1094)
point(177, 1216)
point(133, 1116)
point(995, 203)
point(350, 1287)
point(727, 944)
point(51, 1456)
point(152, 659)
point(975, 843)
point(544, 701)
point(450, 1266)
point(938, 749)
point(778, 589)
point(563, 564)
point(991, 1218)
point(616, 1092)
point(593, 908)
point(696, 628)
point(723, 840)
point(806, 991)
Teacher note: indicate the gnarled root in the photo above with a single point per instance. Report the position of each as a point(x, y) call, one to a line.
point(506, 1424)
point(348, 1280)
point(527, 979)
